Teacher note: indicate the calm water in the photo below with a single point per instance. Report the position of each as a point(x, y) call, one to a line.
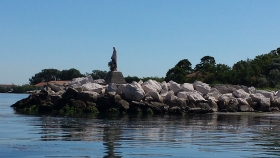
point(211, 135)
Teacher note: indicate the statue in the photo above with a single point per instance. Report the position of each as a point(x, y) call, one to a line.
point(114, 76)
point(113, 63)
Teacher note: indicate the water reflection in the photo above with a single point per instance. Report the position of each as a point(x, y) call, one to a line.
point(240, 134)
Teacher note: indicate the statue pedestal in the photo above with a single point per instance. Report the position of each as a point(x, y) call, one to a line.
point(115, 77)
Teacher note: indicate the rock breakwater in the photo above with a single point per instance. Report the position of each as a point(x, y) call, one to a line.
point(85, 95)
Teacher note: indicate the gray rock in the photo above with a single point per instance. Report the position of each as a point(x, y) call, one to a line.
point(214, 93)
point(240, 93)
point(201, 87)
point(99, 81)
point(54, 87)
point(267, 94)
point(88, 96)
point(155, 96)
point(187, 87)
point(131, 92)
point(223, 89)
point(257, 97)
point(170, 96)
point(242, 101)
point(224, 100)
point(265, 105)
point(151, 85)
point(175, 87)
point(195, 96)
point(93, 87)
point(112, 88)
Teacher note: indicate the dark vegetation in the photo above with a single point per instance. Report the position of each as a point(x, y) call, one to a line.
point(263, 71)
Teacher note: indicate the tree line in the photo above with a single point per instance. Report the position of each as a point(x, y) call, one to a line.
point(262, 71)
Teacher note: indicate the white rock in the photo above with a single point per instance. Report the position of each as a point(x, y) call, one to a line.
point(195, 96)
point(257, 97)
point(151, 85)
point(267, 94)
point(175, 87)
point(139, 87)
point(242, 101)
point(277, 94)
point(187, 87)
point(92, 87)
point(213, 94)
point(140, 82)
point(164, 87)
point(112, 88)
point(99, 81)
point(155, 96)
point(170, 96)
point(240, 93)
point(76, 82)
point(201, 87)
point(252, 90)
point(131, 92)
point(183, 95)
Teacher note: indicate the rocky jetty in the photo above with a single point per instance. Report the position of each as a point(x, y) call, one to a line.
point(85, 95)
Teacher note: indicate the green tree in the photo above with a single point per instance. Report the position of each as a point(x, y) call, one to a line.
point(70, 74)
point(130, 79)
point(98, 74)
point(179, 72)
point(207, 62)
point(222, 74)
point(176, 74)
point(45, 75)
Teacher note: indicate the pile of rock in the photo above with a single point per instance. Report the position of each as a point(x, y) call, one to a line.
point(151, 96)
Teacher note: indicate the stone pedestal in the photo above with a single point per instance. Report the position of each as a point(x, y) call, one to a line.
point(115, 77)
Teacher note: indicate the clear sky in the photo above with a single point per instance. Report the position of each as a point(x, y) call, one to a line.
point(151, 36)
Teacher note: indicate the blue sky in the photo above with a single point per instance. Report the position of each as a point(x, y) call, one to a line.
point(151, 36)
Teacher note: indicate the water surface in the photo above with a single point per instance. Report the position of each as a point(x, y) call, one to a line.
point(209, 135)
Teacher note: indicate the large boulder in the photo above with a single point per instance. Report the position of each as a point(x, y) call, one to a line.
point(187, 87)
point(267, 94)
point(131, 92)
point(265, 105)
point(170, 96)
point(242, 101)
point(77, 82)
point(213, 105)
point(92, 87)
point(164, 88)
point(224, 100)
point(213, 94)
point(224, 89)
point(151, 85)
point(112, 88)
point(175, 87)
point(88, 96)
point(201, 87)
point(240, 93)
point(183, 95)
point(155, 95)
point(257, 97)
point(55, 87)
point(138, 86)
point(195, 96)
